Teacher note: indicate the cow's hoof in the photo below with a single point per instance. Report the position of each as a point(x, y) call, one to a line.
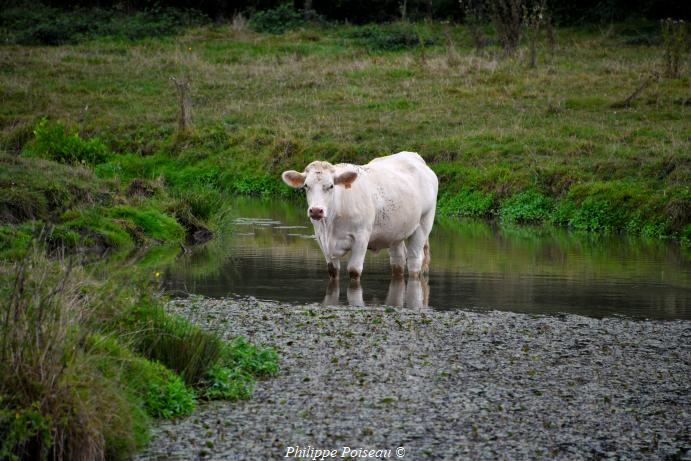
point(397, 271)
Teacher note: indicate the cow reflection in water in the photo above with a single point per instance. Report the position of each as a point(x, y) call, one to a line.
point(413, 294)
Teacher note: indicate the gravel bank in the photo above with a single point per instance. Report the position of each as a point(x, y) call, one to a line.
point(445, 385)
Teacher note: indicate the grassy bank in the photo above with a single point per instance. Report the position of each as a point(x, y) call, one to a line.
point(86, 362)
point(527, 145)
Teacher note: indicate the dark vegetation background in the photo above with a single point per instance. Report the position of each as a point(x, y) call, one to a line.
point(363, 11)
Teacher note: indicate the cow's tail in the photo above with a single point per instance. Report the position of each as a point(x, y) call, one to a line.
point(425, 258)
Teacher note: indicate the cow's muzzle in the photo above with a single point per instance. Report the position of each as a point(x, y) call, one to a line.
point(316, 213)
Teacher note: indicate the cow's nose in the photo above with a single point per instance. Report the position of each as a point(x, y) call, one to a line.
point(316, 213)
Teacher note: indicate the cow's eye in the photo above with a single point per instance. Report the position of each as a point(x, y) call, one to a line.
point(330, 187)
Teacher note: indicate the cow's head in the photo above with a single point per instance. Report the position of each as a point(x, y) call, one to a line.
point(319, 180)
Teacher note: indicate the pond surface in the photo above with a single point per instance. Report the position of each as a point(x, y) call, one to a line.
point(270, 253)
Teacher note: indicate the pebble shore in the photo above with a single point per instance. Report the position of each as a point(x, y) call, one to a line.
point(443, 385)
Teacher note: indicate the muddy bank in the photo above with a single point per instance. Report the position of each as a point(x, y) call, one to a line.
point(445, 385)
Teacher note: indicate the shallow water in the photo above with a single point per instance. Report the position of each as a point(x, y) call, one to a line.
point(271, 253)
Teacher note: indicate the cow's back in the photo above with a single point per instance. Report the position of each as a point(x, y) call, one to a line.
point(403, 189)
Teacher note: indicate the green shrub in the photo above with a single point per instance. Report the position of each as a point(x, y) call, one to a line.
point(466, 202)
point(252, 184)
point(200, 202)
point(277, 20)
point(595, 215)
point(686, 236)
point(53, 141)
point(527, 207)
point(42, 25)
point(392, 37)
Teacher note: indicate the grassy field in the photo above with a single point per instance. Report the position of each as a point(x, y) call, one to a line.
point(526, 145)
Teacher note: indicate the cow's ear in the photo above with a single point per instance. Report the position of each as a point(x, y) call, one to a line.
point(345, 179)
point(293, 178)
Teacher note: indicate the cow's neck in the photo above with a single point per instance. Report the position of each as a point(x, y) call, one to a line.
point(323, 230)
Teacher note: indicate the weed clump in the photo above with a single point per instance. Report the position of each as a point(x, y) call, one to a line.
point(466, 202)
point(53, 141)
point(391, 37)
point(44, 25)
point(277, 21)
point(527, 207)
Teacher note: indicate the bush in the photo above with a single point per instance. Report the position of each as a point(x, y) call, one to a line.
point(277, 20)
point(466, 202)
point(527, 207)
point(53, 141)
point(42, 25)
point(390, 38)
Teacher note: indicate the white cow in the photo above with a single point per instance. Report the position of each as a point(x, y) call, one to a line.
point(378, 205)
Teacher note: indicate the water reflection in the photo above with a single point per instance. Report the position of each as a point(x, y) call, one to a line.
point(413, 294)
point(272, 254)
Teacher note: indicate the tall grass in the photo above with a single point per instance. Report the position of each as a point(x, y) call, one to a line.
point(55, 402)
point(85, 364)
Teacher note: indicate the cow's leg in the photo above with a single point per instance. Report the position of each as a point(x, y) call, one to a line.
point(357, 257)
point(397, 254)
point(418, 246)
point(333, 266)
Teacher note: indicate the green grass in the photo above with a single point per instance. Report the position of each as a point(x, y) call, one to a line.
point(489, 126)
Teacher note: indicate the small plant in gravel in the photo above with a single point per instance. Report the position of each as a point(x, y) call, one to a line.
point(233, 376)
